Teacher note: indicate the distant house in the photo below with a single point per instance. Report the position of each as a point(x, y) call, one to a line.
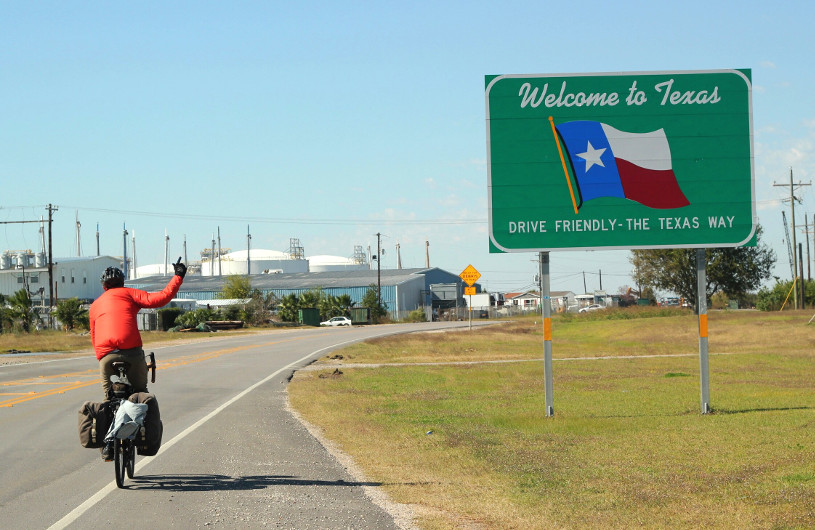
point(527, 301)
point(598, 297)
point(530, 300)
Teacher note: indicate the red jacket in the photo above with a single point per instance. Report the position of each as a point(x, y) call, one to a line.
point(113, 316)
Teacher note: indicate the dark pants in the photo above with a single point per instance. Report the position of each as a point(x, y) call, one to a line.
point(136, 374)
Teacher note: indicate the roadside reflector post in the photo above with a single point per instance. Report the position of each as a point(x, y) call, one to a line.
point(701, 301)
point(546, 313)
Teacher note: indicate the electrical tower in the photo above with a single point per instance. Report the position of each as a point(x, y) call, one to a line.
point(789, 245)
point(295, 248)
point(792, 186)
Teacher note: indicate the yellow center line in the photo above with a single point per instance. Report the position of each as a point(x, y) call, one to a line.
point(61, 390)
point(94, 374)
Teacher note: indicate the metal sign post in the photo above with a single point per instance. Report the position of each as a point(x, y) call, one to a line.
point(701, 298)
point(470, 275)
point(470, 307)
point(547, 333)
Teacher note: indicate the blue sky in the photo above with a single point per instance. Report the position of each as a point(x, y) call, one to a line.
point(332, 121)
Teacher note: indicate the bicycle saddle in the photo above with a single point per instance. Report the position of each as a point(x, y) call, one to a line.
point(120, 364)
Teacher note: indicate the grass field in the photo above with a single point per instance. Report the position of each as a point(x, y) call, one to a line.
point(468, 446)
point(61, 341)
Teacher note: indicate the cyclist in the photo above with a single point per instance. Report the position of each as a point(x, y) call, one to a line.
point(114, 333)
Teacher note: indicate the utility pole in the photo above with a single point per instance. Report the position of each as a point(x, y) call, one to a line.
point(806, 232)
point(97, 240)
point(166, 252)
point(801, 261)
point(379, 272)
point(212, 257)
point(133, 241)
point(427, 254)
point(601, 279)
point(124, 249)
point(585, 291)
point(78, 236)
point(219, 252)
point(792, 199)
point(51, 209)
point(248, 251)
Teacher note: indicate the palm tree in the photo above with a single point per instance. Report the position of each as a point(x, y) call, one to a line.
point(21, 310)
point(288, 306)
point(5, 317)
point(345, 303)
point(310, 298)
point(69, 312)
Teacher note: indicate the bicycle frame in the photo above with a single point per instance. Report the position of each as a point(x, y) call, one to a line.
point(124, 450)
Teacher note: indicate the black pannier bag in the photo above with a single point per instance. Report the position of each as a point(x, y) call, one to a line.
point(94, 422)
point(148, 438)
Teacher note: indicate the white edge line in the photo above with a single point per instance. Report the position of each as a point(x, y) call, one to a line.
point(77, 512)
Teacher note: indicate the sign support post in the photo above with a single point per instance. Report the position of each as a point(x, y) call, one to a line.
point(470, 307)
point(701, 300)
point(546, 313)
point(470, 275)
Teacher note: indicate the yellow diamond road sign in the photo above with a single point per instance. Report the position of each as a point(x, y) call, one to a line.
point(470, 275)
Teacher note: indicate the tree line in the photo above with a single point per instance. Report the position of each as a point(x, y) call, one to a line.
point(18, 314)
point(732, 274)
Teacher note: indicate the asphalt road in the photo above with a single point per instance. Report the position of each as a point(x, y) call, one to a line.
point(232, 456)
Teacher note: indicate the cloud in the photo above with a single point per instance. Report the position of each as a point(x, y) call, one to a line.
point(770, 204)
point(767, 64)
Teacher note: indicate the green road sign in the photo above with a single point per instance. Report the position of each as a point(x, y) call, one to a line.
point(620, 160)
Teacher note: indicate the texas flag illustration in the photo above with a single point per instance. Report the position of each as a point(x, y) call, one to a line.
point(608, 162)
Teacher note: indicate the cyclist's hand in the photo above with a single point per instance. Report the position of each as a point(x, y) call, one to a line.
point(180, 269)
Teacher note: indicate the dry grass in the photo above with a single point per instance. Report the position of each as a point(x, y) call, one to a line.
point(627, 447)
point(70, 342)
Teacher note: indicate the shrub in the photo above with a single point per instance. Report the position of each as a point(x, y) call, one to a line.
point(167, 317)
point(417, 315)
point(191, 319)
point(720, 300)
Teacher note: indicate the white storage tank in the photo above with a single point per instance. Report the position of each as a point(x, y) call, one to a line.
point(260, 260)
point(22, 259)
point(39, 260)
point(334, 264)
point(154, 269)
point(5, 260)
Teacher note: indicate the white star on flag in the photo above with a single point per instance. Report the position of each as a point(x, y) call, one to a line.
point(592, 157)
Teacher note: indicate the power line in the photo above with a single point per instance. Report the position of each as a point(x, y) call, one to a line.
point(284, 220)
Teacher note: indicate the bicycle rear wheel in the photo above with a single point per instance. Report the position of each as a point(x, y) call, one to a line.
point(131, 458)
point(119, 462)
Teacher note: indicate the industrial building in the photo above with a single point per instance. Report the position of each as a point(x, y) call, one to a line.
point(281, 273)
point(73, 277)
point(402, 290)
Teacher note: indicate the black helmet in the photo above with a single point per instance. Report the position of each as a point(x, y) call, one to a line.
point(112, 277)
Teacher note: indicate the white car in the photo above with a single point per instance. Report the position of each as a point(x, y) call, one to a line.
point(337, 321)
point(592, 307)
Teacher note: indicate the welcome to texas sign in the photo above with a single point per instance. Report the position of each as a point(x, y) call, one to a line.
point(620, 160)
